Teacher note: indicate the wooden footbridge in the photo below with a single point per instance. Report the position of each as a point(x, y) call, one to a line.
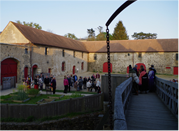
point(152, 111)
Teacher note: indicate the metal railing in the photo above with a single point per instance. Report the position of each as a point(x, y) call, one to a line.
point(121, 101)
point(167, 91)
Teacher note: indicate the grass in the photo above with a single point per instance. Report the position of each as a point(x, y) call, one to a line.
point(5, 97)
point(33, 100)
point(31, 118)
point(75, 92)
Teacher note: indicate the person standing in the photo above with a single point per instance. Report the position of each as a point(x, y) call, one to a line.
point(76, 85)
point(93, 80)
point(69, 82)
point(152, 67)
point(72, 80)
point(46, 82)
point(41, 83)
point(89, 79)
point(53, 83)
point(42, 79)
point(84, 82)
point(135, 69)
point(143, 80)
point(80, 83)
point(151, 79)
point(98, 85)
point(88, 85)
point(97, 76)
point(65, 82)
point(36, 80)
point(29, 80)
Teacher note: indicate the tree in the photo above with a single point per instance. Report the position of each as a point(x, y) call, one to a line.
point(91, 34)
point(31, 24)
point(102, 35)
point(72, 36)
point(142, 35)
point(120, 32)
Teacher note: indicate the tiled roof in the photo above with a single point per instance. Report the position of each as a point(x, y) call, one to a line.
point(40, 37)
point(146, 45)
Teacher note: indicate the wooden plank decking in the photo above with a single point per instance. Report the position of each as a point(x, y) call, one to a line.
point(147, 112)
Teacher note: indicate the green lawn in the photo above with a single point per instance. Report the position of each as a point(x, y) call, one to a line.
point(33, 100)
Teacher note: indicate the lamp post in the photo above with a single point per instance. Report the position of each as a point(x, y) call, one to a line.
point(122, 7)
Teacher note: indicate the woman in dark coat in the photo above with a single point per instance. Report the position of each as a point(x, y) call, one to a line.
point(36, 82)
point(53, 83)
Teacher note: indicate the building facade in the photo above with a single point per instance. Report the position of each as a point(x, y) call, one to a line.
point(26, 50)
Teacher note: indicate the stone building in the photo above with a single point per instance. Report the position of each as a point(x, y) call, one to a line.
point(26, 50)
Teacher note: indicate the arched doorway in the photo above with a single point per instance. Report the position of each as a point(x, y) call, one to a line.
point(25, 72)
point(139, 64)
point(8, 68)
point(73, 69)
point(105, 67)
point(34, 71)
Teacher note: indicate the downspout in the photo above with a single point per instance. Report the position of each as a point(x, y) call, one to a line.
point(133, 59)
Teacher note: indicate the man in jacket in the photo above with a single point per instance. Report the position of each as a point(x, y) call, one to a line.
point(69, 82)
point(46, 82)
point(80, 83)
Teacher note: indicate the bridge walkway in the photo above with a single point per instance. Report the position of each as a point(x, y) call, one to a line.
point(147, 112)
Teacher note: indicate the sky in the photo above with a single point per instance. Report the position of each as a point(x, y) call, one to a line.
point(62, 17)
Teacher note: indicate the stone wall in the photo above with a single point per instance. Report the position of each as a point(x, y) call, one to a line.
point(54, 60)
point(120, 61)
point(18, 54)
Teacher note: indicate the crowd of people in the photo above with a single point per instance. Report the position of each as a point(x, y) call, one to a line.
point(89, 83)
point(143, 81)
point(49, 82)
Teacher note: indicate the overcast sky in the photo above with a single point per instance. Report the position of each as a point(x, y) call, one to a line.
point(62, 17)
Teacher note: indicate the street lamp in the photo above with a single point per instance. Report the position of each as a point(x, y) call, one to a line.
point(122, 7)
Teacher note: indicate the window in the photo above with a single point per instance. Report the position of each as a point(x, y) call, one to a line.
point(74, 54)
point(140, 55)
point(95, 56)
point(63, 66)
point(46, 50)
point(128, 54)
point(82, 65)
point(63, 53)
point(82, 54)
point(26, 51)
point(177, 57)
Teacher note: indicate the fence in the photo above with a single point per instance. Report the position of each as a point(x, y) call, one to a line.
point(121, 101)
point(116, 79)
point(167, 91)
point(57, 108)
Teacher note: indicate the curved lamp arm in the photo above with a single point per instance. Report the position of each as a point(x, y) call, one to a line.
point(122, 7)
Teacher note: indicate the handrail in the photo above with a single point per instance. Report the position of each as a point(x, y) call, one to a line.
point(167, 91)
point(121, 100)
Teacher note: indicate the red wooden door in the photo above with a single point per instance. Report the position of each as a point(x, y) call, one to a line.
point(33, 70)
point(175, 70)
point(49, 70)
point(139, 64)
point(82, 66)
point(8, 68)
point(105, 67)
point(25, 72)
point(73, 69)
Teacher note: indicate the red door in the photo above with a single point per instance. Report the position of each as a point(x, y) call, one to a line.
point(82, 66)
point(105, 67)
point(34, 68)
point(175, 70)
point(8, 68)
point(139, 64)
point(25, 72)
point(73, 69)
point(49, 70)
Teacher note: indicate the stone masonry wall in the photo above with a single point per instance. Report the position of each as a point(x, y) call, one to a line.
point(120, 61)
point(18, 54)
